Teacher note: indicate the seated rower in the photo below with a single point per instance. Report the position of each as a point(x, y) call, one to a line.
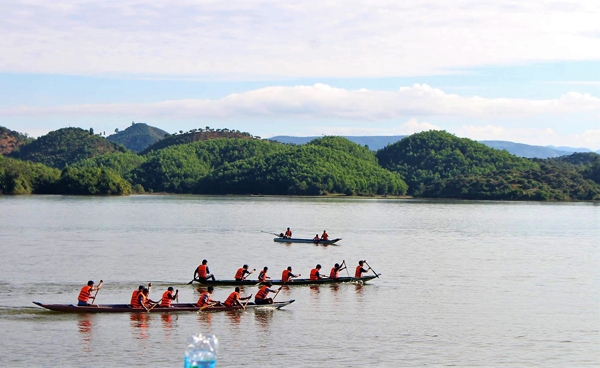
point(287, 275)
point(288, 233)
point(335, 271)
point(86, 293)
point(168, 297)
point(261, 296)
point(262, 276)
point(242, 273)
point(205, 299)
point(234, 298)
point(360, 270)
point(315, 273)
point(316, 239)
point(143, 300)
point(324, 236)
point(137, 292)
point(203, 273)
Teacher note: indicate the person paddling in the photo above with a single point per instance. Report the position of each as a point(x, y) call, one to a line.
point(205, 299)
point(335, 271)
point(136, 293)
point(287, 275)
point(242, 273)
point(234, 298)
point(315, 273)
point(288, 233)
point(86, 293)
point(203, 273)
point(168, 297)
point(316, 239)
point(324, 236)
point(143, 300)
point(262, 276)
point(261, 296)
point(360, 270)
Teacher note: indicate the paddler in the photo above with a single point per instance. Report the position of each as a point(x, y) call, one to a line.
point(143, 300)
point(324, 236)
point(335, 271)
point(136, 293)
point(242, 273)
point(316, 238)
point(288, 233)
point(86, 293)
point(205, 299)
point(234, 298)
point(262, 276)
point(168, 297)
point(261, 296)
point(360, 270)
point(287, 275)
point(203, 273)
point(315, 273)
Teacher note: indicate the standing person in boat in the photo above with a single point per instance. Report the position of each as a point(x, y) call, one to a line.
point(86, 293)
point(261, 296)
point(315, 273)
point(324, 236)
point(360, 270)
point(287, 275)
point(205, 298)
point(288, 233)
point(335, 271)
point(316, 239)
point(262, 276)
point(234, 298)
point(242, 273)
point(203, 273)
point(168, 297)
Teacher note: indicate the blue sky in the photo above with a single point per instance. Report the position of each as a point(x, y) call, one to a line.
point(505, 70)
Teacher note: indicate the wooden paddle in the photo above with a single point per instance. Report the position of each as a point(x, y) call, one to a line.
point(251, 272)
point(278, 290)
point(208, 305)
point(97, 290)
point(245, 304)
point(371, 268)
point(152, 307)
point(346, 267)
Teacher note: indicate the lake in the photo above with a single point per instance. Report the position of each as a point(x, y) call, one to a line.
point(463, 283)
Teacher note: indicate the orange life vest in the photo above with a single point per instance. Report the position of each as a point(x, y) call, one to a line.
point(262, 276)
point(166, 299)
point(288, 233)
point(136, 303)
point(240, 273)
point(285, 276)
point(134, 297)
point(84, 294)
point(232, 298)
point(202, 271)
point(313, 274)
point(204, 299)
point(333, 274)
point(262, 293)
point(358, 273)
point(324, 236)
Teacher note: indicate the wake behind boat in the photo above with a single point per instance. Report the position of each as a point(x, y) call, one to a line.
point(178, 307)
point(301, 240)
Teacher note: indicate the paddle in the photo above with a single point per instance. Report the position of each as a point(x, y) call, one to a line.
point(155, 304)
point(194, 279)
point(245, 304)
point(208, 305)
point(244, 278)
point(278, 290)
point(97, 290)
point(266, 232)
point(371, 268)
point(346, 267)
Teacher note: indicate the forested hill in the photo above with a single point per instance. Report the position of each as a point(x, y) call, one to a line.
point(65, 146)
point(11, 140)
point(138, 136)
point(194, 135)
point(440, 165)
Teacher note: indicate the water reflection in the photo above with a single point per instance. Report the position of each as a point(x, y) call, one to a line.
point(359, 291)
point(235, 317)
point(205, 319)
point(315, 291)
point(84, 326)
point(139, 322)
point(167, 323)
point(263, 316)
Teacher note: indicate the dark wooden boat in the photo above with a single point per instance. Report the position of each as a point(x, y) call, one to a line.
point(179, 307)
point(325, 281)
point(226, 282)
point(299, 240)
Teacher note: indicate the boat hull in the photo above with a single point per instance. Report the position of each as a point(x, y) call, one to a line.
point(325, 281)
point(299, 240)
point(226, 282)
point(175, 308)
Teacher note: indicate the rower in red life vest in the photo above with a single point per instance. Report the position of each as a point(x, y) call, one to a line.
point(143, 300)
point(136, 293)
point(288, 233)
point(316, 238)
point(335, 271)
point(315, 273)
point(242, 273)
point(234, 298)
point(261, 296)
point(168, 297)
point(205, 298)
point(287, 275)
point(86, 293)
point(203, 272)
point(324, 236)
point(360, 270)
point(262, 276)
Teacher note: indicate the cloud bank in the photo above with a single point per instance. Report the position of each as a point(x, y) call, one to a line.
point(249, 39)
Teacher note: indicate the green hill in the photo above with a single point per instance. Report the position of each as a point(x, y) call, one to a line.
point(138, 136)
point(195, 135)
point(11, 140)
point(65, 146)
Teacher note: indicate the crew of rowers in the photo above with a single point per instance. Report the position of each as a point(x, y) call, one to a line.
point(316, 239)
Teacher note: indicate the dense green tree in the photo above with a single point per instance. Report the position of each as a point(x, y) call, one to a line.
point(22, 177)
point(92, 181)
point(137, 137)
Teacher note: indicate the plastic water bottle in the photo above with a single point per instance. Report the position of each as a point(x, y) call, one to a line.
point(201, 351)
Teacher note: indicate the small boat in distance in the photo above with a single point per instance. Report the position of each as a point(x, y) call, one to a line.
point(300, 240)
point(339, 280)
point(178, 307)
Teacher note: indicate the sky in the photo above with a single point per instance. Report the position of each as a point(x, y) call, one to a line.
point(521, 71)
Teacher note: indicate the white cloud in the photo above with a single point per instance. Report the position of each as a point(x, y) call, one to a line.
point(410, 127)
point(244, 39)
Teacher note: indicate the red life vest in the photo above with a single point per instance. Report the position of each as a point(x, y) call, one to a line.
point(136, 303)
point(324, 236)
point(333, 274)
point(314, 274)
point(285, 276)
point(262, 276)
point(358, 273)
point(204, 299)
point(166, 299)
point(288, 233)
point(134, 297)
point(232, 298)
point(202, 271)
point(84, 294)
point(262, 293)
point(239, 274)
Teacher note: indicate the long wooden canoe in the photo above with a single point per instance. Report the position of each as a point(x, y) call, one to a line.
point(126, 308)
point(299, 240)
point(226, 282)
point(325, 281)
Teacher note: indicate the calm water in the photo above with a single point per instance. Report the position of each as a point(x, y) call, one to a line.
point(463, 283)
